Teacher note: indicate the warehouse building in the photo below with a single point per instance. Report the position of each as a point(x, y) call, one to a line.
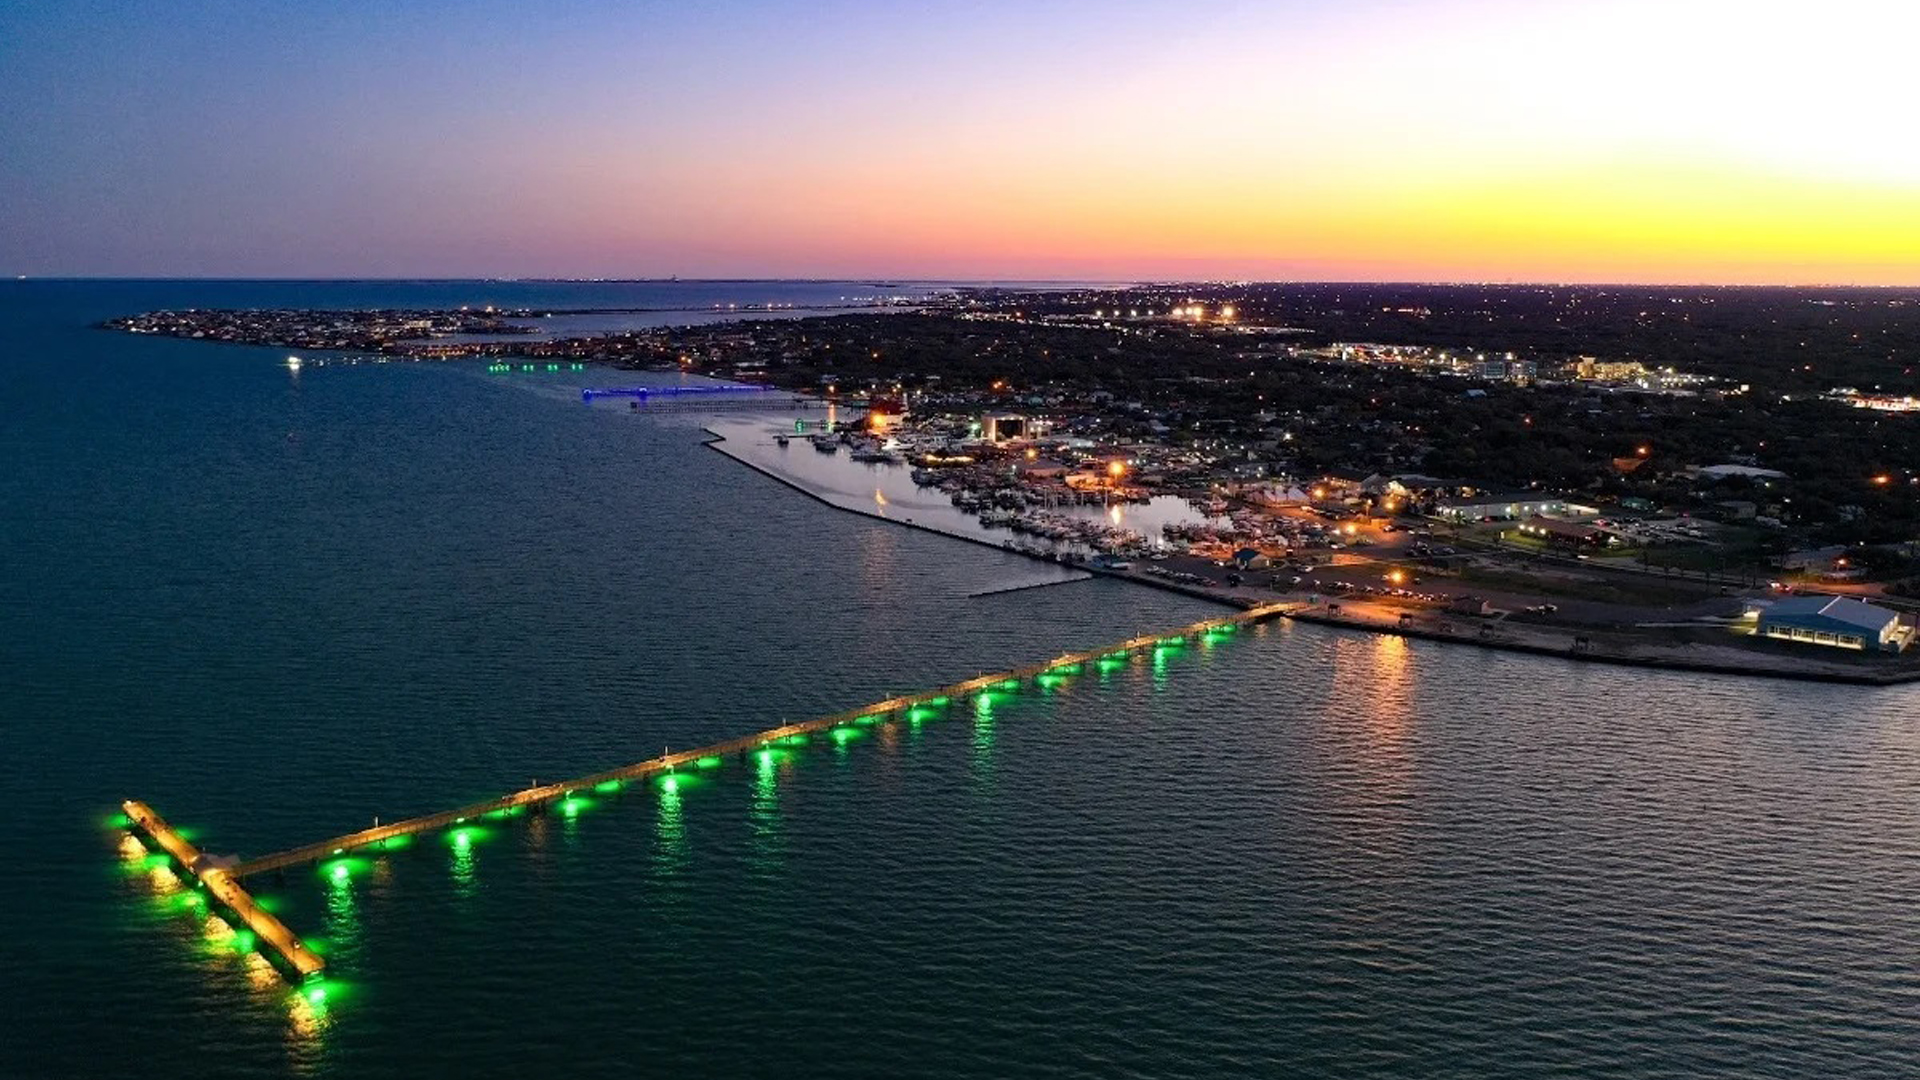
point(1833, 620)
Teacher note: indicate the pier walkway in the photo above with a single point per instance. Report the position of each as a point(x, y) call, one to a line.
point(223, 882)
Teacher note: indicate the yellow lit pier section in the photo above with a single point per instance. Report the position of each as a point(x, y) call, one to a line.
point(221, 884)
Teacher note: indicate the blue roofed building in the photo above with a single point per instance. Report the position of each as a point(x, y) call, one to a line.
point(1838, 621)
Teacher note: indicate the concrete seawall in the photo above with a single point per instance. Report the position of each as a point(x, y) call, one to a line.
point(1779, 668)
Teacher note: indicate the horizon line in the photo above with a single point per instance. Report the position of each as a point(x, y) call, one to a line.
point(905, 280)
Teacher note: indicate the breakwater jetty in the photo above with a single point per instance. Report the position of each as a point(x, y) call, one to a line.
point(222, 877)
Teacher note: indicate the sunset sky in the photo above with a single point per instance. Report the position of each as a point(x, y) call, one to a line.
point(1639, 140)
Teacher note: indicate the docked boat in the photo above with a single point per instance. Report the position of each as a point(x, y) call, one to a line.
point(826, 444)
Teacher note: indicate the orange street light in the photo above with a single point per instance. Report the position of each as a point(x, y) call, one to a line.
point(1397, 577)
point(1644, 451)
point(1117, 469)
point(1883, 479)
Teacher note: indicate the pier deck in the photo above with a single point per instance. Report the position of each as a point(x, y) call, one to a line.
point(225, 889)
point(224, 882)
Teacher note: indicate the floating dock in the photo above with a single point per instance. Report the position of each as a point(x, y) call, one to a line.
point(223, 881)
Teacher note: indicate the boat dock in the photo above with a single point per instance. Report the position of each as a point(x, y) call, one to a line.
point(223, 881)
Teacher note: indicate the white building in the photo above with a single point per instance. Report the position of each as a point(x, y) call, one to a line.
point(1521, 504)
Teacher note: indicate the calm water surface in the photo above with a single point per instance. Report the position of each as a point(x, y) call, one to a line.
point(276, 606)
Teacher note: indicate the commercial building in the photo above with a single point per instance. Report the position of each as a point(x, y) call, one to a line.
point(1589, 369)
point(1500, 506)
point(1838, 621)
point(1565, 532)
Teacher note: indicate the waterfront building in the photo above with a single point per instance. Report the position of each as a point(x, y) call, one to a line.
point(1838, 621)
point(1499, 506)
point(1565, 532)
point(1009, 426)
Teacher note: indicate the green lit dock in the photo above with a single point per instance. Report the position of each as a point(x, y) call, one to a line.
point(224, 882)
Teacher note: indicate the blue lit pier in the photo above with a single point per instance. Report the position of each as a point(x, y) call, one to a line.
point(647, 393)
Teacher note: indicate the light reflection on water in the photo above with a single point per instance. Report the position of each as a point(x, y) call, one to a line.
point(767, 850)
point(670, 834)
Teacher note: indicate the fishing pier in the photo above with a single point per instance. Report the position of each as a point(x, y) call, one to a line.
point(222, 877)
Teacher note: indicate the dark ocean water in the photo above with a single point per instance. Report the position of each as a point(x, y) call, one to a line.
point(274, 606)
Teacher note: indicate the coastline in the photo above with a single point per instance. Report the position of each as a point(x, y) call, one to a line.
point(1501, 636)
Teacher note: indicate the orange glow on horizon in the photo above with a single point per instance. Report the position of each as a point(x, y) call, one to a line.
point(1645, 141)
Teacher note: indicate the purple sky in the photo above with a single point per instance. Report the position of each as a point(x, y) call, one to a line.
point(1482, 139)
